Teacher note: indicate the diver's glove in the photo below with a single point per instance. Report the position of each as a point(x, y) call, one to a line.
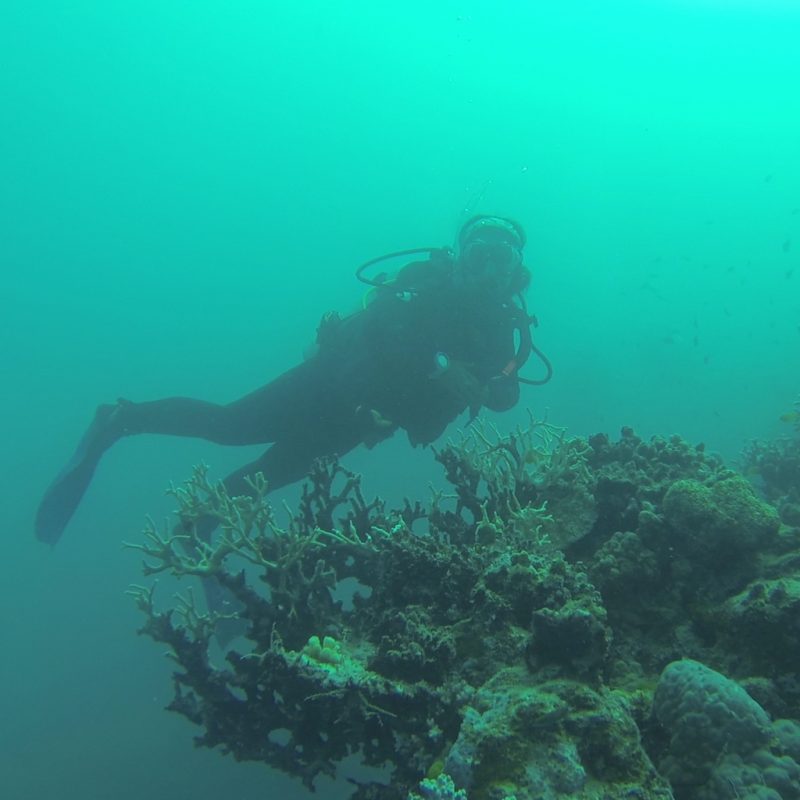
point(456, 379)
point(374, 426)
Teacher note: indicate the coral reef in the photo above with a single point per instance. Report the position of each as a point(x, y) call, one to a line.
point(776, 466)
point(722, 743)
point(576, 618)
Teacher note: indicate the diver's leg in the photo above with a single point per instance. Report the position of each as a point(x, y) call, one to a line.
point(176, 416)
point(289, 402)
point(280, 467)
point(284, 463)
point(256, 418)
point(234, 424)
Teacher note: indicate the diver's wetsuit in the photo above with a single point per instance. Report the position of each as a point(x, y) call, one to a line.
point(374, 372)
point(383, 358)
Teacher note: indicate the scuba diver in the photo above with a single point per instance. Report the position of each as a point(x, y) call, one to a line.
point(447, 334)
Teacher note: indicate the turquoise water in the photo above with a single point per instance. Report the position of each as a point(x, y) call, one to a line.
point(187, 187)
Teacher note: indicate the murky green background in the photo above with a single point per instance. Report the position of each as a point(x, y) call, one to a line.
point(185, 187)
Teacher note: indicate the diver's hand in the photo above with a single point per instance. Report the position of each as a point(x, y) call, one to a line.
point(456, 379)
point(374, 426)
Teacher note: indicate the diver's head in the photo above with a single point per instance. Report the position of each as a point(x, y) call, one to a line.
point(490, 256)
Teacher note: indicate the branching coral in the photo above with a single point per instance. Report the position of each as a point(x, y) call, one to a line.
point(512, 479)
point(512, 634)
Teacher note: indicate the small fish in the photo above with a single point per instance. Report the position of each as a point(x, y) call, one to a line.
point(787, 245)
point(792, 416)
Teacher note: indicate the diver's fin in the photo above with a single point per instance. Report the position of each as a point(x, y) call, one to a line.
point(221, 603)
point(64, 494)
